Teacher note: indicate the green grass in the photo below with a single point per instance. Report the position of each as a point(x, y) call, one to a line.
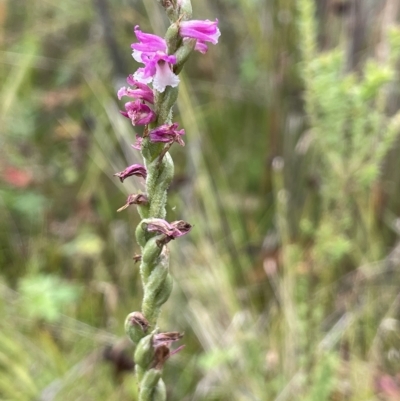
point(287, 287)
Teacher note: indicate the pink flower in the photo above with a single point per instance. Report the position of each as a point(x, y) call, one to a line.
point(201, 47)
point(158, 70)
point(134, 169)
point(152, 52)
point(139, 113)
point(167, 133)
point(203, 31)
point(141, 91)
point(148, 43)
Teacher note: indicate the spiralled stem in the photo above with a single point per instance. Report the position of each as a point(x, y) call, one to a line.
point(154, 267)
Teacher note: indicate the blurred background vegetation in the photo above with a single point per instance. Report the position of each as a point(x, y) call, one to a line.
point(288, 286)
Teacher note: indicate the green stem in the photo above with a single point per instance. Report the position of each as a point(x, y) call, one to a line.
point(154, 267)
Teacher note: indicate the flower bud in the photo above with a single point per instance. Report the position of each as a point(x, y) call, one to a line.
point(185, 9)
point(183, 53)
point(152, 386)
point(136, 326)
point(144, 353)
point(172, 38)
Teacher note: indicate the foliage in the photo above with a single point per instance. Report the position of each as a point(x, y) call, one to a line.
point(43, 297)
point(288, 284)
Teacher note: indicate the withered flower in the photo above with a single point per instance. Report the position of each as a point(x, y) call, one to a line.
point(170, 230)
point(137, 258)
point(135, 169)
point(134, 199)
point(173, 230)
point(162, 343)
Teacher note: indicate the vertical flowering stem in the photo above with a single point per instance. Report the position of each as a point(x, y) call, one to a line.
point(163, 59)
